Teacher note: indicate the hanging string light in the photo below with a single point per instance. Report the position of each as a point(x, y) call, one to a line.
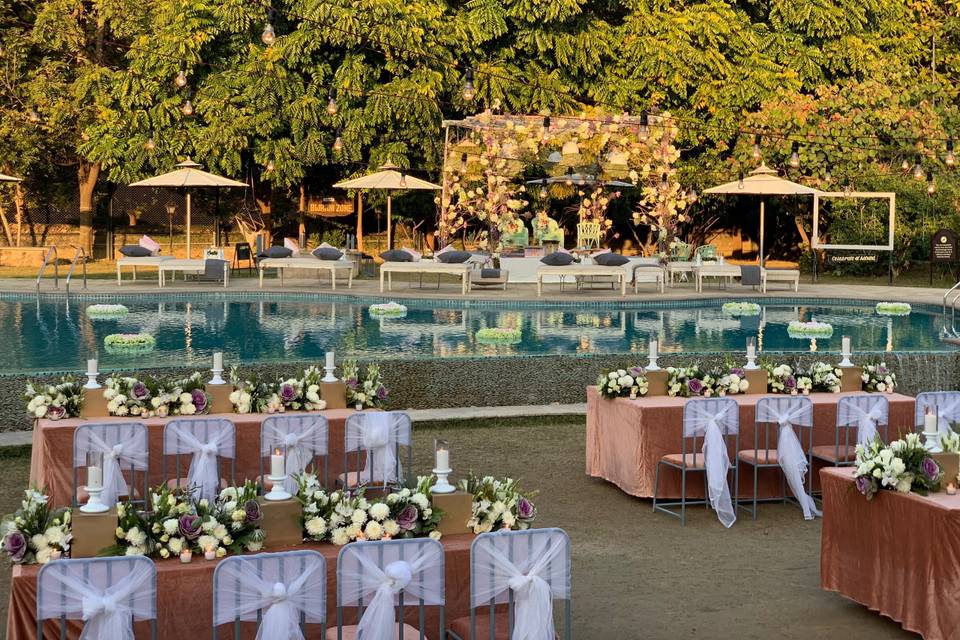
point(332, 106)
point(756, 147)
point(543, 189)
point(692, 196)
point(950, 159)
point(569, 180)
point(269, 36)
point(33, 116)
point(795, 155)
point(403, 180)
point(468, 90)
point(664, 182)
point(181, 79)
point(931, 184)
point(828, 174)
point(847, 189)
point(643, 131)
point(150, 145)
point(187, 107)
point(905, 165)
point(740, 184)
point(338, 144)
point(918, 172)
point(270, 165)
point(546, 129)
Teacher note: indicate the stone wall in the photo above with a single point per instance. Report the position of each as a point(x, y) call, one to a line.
point(490, 381)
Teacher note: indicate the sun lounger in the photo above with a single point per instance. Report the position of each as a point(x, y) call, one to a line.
point(582, 271)
point(649, 273)
point(146, 261)
point(192, 266)
point(790, 276)
point(460, 269)
point(315, 264)
point(728, 271)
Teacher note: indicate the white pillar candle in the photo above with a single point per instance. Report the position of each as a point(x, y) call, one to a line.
point(92, 365)
point(846, 345)
point(330, 362)
point(443, 459)
point(653, 349)
point(218, 360)
point(930, 422)
point(277, 464)
point(751, 351)
point(94, 477)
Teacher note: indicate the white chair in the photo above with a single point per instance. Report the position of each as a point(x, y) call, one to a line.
point(126, 454)
point(108, 594)
point(384, 576)
point(708, 423)
point(371, 452)
point(790, 420)
point(207, 442)
point(280, 592)
point(946, 404)
point(517, 575)
point(303, 439)
point(860, 418)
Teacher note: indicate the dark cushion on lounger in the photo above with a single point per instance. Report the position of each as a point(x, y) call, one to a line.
point(276, 252)
point(135, 251)
point(327, 253)
point(611, 260)
point(750, 276)
point(454, 257)
point(557, 259)
point(489, 273)
point(396, 255)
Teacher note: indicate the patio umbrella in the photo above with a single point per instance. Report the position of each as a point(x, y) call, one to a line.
point(580, 179)
point(388, 179)
point(5, 178)
point(188, 176)
point(762, 181)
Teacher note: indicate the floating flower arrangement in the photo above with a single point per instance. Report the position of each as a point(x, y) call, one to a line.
point(499, 335)
point(741, 308)
point(812, 329)
point(106, 311)
point(388, 310)
point(129, 343)
point(893, 309)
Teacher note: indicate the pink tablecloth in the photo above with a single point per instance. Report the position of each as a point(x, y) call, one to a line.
point(51, 460)
point(897, 554)
point(626, 438)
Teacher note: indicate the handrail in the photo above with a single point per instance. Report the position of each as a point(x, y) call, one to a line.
point(56, 272)
point(80, 252)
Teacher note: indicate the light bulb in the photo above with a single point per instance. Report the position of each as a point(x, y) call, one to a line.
point(269, 36)
point(643, 131)
point(546, 129)
point(543, 193)
point(931, 185)
point(332, 106)
point(468, 90)
point(951, 158)
point(181, 79)
point(338, 144)
point(740, 184)
point(569, 180)
point(692, 196)
point(847, 189)
point(187, 107)
point(664, 184)
point(905, 166)
point(463, 159)
point(795, 155)
point(918, 170)
point(756, 147)
point(403, 181)
point(270, 165)
point(150, 145)
point(828, 174)
point(33, 116)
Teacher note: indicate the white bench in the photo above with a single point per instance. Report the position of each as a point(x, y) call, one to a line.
point(649, 273)
point(790, 276)
point(311, 263)
point(721, 271)
point(580, 271)
point(145, 261)
point(184, 266)
point(459, 269)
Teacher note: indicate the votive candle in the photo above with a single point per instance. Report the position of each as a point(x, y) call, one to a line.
point(277, 464)
point(186, 556)
point(209, 554)
point(218, 361)
point(443, 458)
point(951, 489)
point(56, 554)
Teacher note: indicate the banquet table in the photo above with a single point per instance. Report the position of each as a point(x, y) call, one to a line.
point(185, 597)
point(52, 453)
point(626, 438)
point(897, 554)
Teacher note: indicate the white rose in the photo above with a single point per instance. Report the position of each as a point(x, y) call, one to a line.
point(373, 530)
point(359, 517)
point(175, 545)
point(339, 537)
point(391, 527)
point(316, 527)
point(379, 511)
point(186, 398)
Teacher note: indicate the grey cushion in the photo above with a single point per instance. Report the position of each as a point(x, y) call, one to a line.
point(611, 260)
point(557, 259)
point(276, 252)
point(214, 270)
point(454, 257)
point(489, 273)
point(135, 251)
point(327, 253)
point(396, 255)
point(750, 276)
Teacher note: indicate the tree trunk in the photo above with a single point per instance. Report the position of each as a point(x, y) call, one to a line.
point(20, 202)
point(360, 221)
point(264, 198)
point(87, 176)
point(301, 227)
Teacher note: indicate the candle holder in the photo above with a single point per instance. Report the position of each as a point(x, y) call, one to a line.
point(442, 467)
point(94, 486)
point(653, 355)
point(751, 354)
point(278, 462)
point(330, 366)
point(931, 439)
point(217, 369)
point(845, 352)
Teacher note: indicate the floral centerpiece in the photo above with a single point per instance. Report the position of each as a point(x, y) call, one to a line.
point(741, 308)
point(782, 378)
point(413, 512)
point(878, 377)
point(623, 383)
point(54, 401)
point(732, 382)
point(689, 381)
point(499, 335)
point(365, 391)
point(155, 531)
point(811, 329)
point(950, 442)
point(388, 310)
point(151, 397)
point(129, 343)
point(498, 504)
point(893, 309)
point(35, 533)
point(253, 394)
point(106, 311)
point(232, 523)
point(903, 466)
point(825, 377)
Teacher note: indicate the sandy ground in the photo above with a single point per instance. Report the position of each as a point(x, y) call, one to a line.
point(639, 574)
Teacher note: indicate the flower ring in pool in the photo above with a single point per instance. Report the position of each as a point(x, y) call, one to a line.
point(812, 329)
point(499, 335)
point(741, 308)
point(893, 309)
point(388, 310)
point(129, 343)
point(106, 311)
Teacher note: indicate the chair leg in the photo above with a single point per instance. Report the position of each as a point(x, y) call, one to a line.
point(683, 497)
point(755, 483)
point(656, 487)
point(706, 491)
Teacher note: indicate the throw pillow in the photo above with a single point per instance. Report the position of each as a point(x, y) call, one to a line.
point(135, 251)
point(611, 260)
point(454, 257)
point(327, 253)
point(277, 252)
point(396, 255)
point(557, 259)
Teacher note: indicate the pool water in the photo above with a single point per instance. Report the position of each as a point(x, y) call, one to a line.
point(57, 336)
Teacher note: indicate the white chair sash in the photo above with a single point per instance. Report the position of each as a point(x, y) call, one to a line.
point(946, 404)
point(712, 418)
point(302, 438)
point(419, 573)
point(121, 445)
point(379, 434)
point(179, 438)
point(787, 412)
point(282, 587)
point(108, 611)
point(866, 411)
point(538, 573)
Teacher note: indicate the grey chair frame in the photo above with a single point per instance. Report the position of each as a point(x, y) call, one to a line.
point(848, 434)
point(931, 399)
point(415, 544)
point(86, 563)
point(767, 427)
point(358, 457)
point(203, 426)
point(529, 534)
point(694, 441)
point(301, 420)
point(114, 426)
point(258, 560)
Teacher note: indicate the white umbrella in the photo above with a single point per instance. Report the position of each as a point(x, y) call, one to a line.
point(188, 176)
point(5, 178)
point(389, 179)
point(763, 181)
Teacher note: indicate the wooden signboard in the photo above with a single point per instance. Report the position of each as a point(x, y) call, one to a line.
point(943, 250)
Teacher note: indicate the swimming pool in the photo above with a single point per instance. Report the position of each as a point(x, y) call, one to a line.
point(54, 335)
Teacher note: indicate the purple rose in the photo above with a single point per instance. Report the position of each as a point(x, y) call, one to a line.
point(199, 400)
point(252, 508)
point(287, 393)
point(525, 509)
point(930, 469)
point(140, 391)
point(190, 527)
point(789, 382)
point(382, 393)
point(864, 485)
point(695, 386)
point(55, 413)
point(408, 517)
point(15, 545)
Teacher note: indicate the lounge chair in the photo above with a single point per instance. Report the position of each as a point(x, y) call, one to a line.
point(715, 270)
point(582, 271)
point(484, 278)
point(309, 263)
point(649, 273)
point(460, 269)
point(146, 261)
point(790, 276)
point(195, 267)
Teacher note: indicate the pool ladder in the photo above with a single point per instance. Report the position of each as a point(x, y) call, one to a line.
point(52, 253)
point(951, 331)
